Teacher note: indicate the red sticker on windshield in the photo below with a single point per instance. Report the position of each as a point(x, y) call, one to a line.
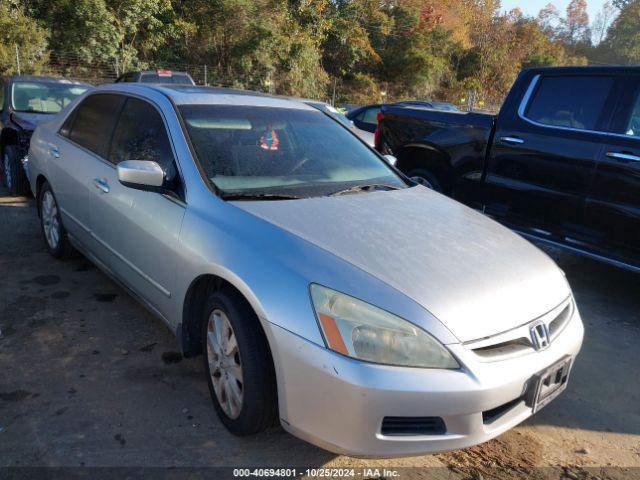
point(269, 140)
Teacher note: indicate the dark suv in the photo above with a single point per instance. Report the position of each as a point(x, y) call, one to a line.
point(157, 76)
point(26, 101)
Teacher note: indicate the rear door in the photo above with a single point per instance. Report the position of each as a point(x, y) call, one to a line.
point(544, 153)
point(74, 153)
point(138, 231)
point(613, 204)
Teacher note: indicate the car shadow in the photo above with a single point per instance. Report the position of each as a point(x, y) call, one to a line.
point(603, 392)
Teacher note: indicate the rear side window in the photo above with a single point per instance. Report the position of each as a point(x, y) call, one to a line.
point(570, 101)
point(141, 135)
point(633, 125)
point(94, 120)
point(173, 78)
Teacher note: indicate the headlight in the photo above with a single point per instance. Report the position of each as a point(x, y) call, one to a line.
point(360, 330)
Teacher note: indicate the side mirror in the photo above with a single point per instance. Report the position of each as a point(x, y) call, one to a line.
point(390, 159)
point(141, 175)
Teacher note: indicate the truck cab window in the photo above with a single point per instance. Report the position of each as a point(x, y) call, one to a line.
point(633, 127)
point(560, 101)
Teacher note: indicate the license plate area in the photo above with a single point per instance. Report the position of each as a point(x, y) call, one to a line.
point(548, 384)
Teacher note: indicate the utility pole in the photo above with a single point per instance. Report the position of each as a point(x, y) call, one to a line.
point(205, 75)
point(17, 58)
point(333, 96)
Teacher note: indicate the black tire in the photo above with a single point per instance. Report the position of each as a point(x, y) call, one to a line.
point(425, 178)
point(62, 249)
point(259, 409)
point(12, 171)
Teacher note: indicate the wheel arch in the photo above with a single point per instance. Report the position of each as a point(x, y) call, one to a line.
point(8, 136)
point(426, 157)
point(40, 180)
point(189, 330)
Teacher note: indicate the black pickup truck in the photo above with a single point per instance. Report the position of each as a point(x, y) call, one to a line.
point(560, 163)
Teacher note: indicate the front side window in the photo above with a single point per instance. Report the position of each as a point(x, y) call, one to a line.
point(570, 101)
point(141, 135)
point(94, 120)
point(280, 151)
point(43, 97)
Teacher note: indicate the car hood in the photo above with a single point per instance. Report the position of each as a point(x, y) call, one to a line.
point(29, 121)
point(476, 276)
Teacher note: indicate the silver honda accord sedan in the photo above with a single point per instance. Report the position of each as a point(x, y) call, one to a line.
point(366, 315)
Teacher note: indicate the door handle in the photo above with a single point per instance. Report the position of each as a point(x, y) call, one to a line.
point(54, 152)
point(101, 184)
point(512, 140)
point(625, 157)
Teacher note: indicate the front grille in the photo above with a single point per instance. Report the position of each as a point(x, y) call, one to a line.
point(413, 426)
point(517, 341)
point(494, 414)
point(504, 349)
point(558, 323)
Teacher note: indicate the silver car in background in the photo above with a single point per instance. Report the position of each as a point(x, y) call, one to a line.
point(364, 314)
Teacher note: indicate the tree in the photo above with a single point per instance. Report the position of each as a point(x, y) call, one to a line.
point(624, 35)
point(602, 23)
point(19, 30)
point(549, 21)
point(576, 23)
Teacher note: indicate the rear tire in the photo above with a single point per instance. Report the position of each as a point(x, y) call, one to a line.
point(426, 179)
point(55, 236)
point(13, 172)
point(238, 363)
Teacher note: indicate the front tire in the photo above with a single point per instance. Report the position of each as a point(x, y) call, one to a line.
point(55, 236)
point(238, 363)
point(426, 179)
point(13, 172)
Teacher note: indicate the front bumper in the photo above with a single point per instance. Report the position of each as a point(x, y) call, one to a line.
point(338, 403)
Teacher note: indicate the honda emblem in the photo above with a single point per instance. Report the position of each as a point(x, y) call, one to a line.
point(539, 336)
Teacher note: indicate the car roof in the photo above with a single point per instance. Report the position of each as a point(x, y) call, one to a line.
point(44, 79)
point(200, 95)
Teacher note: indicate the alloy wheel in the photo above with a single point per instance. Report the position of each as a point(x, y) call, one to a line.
point(423, 181)
point(50, 222)
point(225, 366)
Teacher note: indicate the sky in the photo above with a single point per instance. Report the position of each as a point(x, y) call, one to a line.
point(532, 7)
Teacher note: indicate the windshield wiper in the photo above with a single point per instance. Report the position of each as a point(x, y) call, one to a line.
point(257, 196)
point(370, 187)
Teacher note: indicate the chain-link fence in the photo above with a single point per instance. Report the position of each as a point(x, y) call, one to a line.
point(97, 72)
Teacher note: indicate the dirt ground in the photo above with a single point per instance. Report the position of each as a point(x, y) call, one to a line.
point(89, 378)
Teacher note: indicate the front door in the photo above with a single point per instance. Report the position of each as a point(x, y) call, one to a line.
point(543, 157)
point(138, 231)
point(613, 204)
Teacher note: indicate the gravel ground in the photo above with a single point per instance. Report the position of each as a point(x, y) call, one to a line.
point(89, 378)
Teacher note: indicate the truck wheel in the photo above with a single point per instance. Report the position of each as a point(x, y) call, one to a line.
point(55, 236)
point(238, 363)
point(13, 172)
point(425, 178)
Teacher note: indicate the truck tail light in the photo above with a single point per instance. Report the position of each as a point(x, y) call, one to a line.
point(376, 134)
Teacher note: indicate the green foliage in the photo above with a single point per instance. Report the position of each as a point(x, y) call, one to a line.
point(368, 50)
point(624, 34)
point(17, 29)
